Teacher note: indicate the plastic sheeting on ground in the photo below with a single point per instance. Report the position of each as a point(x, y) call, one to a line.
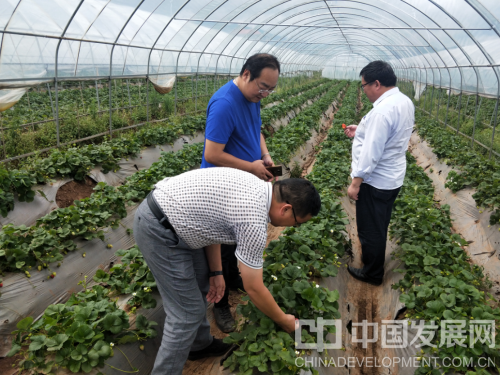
point(474, 226)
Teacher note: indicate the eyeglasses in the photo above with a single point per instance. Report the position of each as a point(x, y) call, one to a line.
point(261, 91)
point(369, 83)
point(297, 224)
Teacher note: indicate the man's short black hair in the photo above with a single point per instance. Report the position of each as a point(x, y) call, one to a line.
point(379, 71)
point(300, 193)
point(259, 61)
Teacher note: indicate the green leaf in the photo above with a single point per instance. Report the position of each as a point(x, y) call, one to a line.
point(83, 333)
point(332, 296)
point(56, 342)
point(254, 347)
point(430, 261)
point(448, 315)
point(308, 294)
point(288, 293)
point(103, 349)
point(20, 264)
point(14, 349)
point(435, 308)
point(25, 323)
point(408, 300)
point(74, 366)
point(86, 367)
point(127, 339)
point(141, 322)
point(55, 309)
point(299, 286)
point(93, 355)
point(113, 323)
point(37, 342)
point(477, 312)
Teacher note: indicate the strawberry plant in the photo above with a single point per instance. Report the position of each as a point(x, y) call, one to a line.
point(474, 169)
point(287, 94)
point(22, 248)
point(268, 115)
point(78, 335)
point(288, 139)
point(131, 276)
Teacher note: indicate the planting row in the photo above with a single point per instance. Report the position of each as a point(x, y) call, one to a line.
point(287, 140)
point(440, 281)
point(82, 114)
point(466, 106)
point(475, 170)
point(268, 115)
point(285, 94)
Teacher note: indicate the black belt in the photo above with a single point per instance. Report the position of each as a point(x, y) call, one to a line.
point(156, 210)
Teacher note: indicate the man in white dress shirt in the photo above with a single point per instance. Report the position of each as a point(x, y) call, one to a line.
point(378, 164)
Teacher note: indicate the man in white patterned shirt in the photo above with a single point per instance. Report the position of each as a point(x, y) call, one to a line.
point(203, 209)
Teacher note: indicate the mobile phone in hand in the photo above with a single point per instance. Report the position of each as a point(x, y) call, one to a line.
point(276, 171)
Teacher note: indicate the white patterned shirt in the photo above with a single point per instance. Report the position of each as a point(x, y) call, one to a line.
point(381, 140)
point(218, 206)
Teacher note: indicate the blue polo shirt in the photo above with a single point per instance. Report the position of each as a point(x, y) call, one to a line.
point(234, 121)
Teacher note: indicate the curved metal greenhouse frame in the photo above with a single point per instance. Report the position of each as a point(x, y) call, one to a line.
point(449, 44)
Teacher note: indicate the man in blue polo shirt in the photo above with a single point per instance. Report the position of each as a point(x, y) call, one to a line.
point(233, 139)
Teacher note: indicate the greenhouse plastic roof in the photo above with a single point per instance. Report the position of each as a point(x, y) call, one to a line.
point(442, 42)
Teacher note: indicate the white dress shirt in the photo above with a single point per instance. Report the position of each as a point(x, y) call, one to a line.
point(381, 141)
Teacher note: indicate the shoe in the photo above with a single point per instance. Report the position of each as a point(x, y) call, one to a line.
point(224, 319)
point(357, 273)
point(237, 285)
point(215, 349)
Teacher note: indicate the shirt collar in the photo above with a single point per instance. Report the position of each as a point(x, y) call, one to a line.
point(269, 192)
point(386, 94)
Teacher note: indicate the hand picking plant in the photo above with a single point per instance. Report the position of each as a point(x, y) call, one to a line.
point(79, 335)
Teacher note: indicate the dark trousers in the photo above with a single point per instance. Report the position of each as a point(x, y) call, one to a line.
point(230, 271)
point(373, 214)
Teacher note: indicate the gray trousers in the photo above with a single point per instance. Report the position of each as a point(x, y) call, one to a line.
point(181, 274)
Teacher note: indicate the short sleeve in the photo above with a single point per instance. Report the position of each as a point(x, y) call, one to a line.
point(220, 121)
point(251, 241)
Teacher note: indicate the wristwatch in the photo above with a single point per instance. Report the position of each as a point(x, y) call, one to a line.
point(264, 155)
point(215, 273)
